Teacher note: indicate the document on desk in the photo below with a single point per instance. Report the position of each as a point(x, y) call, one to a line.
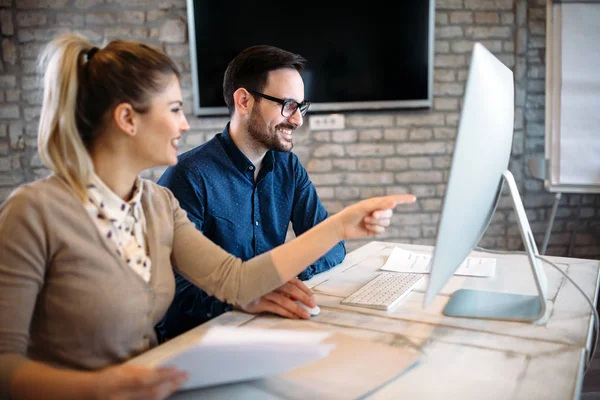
point(401, 260)
point(231, 354)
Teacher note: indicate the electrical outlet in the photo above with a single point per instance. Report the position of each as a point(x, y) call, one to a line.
point(326, 122)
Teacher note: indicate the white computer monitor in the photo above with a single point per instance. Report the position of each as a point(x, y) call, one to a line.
point(477, 174)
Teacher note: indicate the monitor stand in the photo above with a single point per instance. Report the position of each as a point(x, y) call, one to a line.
point(506, 306)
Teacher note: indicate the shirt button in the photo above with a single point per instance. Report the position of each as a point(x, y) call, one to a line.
point(256, 223)
point(251, 168)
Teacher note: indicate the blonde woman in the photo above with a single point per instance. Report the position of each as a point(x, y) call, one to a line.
point(87, 254)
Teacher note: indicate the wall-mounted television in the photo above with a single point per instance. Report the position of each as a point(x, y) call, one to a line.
point(371, 56)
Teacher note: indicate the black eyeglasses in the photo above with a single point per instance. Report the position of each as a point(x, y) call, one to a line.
point(288, 106)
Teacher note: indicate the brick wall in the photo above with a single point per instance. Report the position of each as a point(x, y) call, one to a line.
point(377, 152)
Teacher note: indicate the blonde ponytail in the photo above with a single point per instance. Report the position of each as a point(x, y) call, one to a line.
point(80, 90)
point(59, 142)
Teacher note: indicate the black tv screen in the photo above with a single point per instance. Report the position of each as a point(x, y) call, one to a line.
point(375, 55)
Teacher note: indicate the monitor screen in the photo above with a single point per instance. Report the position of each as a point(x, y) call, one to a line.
point(373, 57)
point(481, 156)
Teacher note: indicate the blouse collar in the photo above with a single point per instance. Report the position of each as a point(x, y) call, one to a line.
point(111, 206)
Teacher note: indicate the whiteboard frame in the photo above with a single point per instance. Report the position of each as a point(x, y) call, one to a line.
point(553, 98)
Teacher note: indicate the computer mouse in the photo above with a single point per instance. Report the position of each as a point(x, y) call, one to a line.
point(314, 311)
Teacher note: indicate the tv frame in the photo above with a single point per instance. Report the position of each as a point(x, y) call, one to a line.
point(330, 107)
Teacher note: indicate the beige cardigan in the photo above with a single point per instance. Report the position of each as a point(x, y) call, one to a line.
point(67, 298)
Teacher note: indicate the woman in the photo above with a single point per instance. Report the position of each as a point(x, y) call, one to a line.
point(86, 255)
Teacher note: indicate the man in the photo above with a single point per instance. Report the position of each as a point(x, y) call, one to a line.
point(244, 186)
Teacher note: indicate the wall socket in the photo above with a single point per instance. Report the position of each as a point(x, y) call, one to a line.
point(326, 122)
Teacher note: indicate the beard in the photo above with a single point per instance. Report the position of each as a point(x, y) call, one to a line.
point(259, 133)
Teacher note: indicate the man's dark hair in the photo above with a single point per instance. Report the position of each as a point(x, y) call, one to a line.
point(250, 69)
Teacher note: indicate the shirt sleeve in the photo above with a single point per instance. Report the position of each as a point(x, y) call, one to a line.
point(23, 258)
point(308, 211)
point(219, 273)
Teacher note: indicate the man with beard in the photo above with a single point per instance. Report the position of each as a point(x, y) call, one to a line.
point(244, 187)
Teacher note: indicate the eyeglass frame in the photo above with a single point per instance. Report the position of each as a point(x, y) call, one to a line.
point(285, 102)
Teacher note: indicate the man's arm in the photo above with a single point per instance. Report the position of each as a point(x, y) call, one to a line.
point(307, 211)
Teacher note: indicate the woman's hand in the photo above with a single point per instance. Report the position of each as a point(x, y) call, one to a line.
point(368, 217)
point(371, 216)
point(128, 382)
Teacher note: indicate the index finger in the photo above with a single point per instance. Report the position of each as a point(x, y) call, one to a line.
point(403, 198)
point(388, 202)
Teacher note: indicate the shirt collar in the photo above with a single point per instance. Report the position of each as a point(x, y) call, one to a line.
point(111, 206)
point(241, 162)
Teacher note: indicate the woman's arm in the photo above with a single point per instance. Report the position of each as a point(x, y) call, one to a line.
point(34, 380)
point(368, 217)
point(23, 259)
point(222, 275)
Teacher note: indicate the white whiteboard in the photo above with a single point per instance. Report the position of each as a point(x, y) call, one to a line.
point(573, 97)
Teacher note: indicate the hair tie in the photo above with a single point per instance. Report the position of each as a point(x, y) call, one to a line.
point(91, 53)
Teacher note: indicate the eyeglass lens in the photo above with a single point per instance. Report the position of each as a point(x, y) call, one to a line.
point(290, 107)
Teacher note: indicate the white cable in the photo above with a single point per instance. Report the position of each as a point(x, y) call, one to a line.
point(596, 318)
point(593, 307)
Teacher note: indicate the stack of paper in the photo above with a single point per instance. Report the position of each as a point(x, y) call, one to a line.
point(401, 260)
point(231, 354)
point(292, 364)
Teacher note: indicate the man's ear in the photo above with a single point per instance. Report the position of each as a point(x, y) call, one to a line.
point(124, 116)
point(243, 101)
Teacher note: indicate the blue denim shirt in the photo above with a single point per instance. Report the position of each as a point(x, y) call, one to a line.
point(215, 184)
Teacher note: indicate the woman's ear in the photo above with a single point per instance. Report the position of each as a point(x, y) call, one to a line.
point(124, 116)
point(243, 101)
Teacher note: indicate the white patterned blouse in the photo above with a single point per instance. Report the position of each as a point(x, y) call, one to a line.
point(121, 222)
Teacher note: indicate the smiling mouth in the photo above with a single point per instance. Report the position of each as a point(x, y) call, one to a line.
point(286, 133)
point(175, 142)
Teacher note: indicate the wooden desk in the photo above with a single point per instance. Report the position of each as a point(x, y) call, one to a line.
point(461, 358)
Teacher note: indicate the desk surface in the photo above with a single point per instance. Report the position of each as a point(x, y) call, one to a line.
point(460, 358)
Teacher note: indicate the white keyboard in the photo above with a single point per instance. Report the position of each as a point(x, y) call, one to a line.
point(384, 291)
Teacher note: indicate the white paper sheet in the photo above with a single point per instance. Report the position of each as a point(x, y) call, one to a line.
point(232, 354)
point(355, 369)
point(401, 260)
point(227, 335)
